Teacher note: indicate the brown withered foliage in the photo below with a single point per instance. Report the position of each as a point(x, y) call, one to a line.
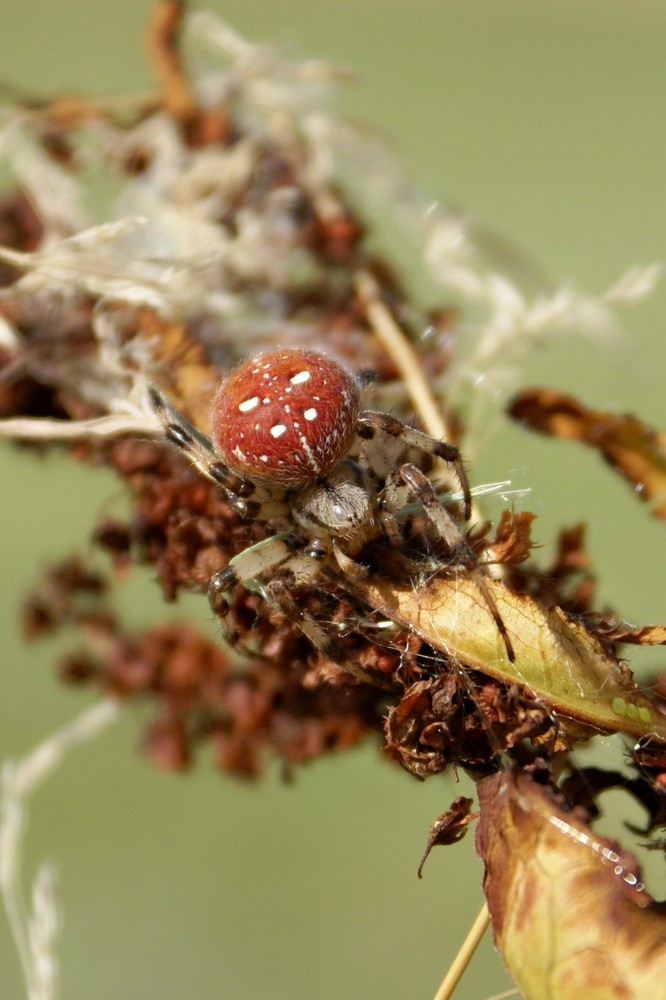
point(449, 828)
point(247, 713)
point(512, 543)
point(548, 879)
point(633, 449)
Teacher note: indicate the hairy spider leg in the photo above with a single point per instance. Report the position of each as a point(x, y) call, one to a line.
point(278, 593)
point(199, 449)
point(463, 557)
point(370, 421)
point(242, 570)
point(292, 569)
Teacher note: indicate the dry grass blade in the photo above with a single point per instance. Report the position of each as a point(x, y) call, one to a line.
point(35, 931)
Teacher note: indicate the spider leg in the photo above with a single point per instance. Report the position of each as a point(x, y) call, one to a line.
point(242, 570)
point(293, 569)
point(461, 552)
point(199, 449)
point(349, 566)
point(370, 421)
point(278, 593)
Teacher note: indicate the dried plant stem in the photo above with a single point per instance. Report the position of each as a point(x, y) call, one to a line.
point(465, 955)
point(43, 428)
point(35, 929)
point(162, 47)
point(404, 356)
point(406, 360)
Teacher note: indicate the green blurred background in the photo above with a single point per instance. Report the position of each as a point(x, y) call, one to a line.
point(546, 121)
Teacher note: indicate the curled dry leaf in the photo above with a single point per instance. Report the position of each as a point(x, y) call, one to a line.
point(512, 542)
point(636, 451)
point(570, 914)
point(556, 658)
point(649, 635)
point(449, 828)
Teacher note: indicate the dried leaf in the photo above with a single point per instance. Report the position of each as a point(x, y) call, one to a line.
point(649, 635)
point(570, 914)
point(449, 828)
point(583, 786)
point(636, 451)
point(512, 539)
point(571, 555)
point(556, 658)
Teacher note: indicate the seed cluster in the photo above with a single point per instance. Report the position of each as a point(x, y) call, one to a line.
point(285, 417)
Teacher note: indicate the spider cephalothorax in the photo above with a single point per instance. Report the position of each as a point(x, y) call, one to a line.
point(291, 445)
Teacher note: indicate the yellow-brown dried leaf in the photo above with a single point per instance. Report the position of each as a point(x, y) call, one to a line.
point(570, 915)
point(556, 658)
point(512, 542)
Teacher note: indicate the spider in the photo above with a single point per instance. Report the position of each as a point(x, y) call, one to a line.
point(291, 445)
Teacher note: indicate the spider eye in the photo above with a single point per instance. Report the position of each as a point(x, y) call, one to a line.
point(285, 417)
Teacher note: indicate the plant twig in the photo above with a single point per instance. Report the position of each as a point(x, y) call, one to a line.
point(405, 358)
point(43, 428)
point(465, 955)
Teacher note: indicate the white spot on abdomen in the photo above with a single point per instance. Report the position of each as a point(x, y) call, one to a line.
point(248, 404)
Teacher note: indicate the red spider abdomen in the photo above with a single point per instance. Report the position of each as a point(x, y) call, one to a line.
point(285, 417)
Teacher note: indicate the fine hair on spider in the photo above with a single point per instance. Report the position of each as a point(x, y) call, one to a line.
point(291, 445)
